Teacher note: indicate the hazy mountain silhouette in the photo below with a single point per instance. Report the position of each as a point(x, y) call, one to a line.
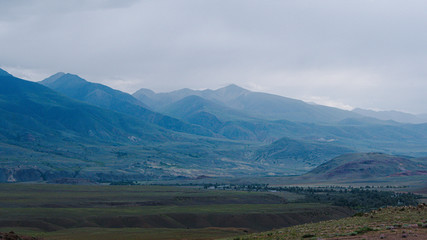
point(102, 96)
point(188, 106)
point(392, 115)
point(256, 104)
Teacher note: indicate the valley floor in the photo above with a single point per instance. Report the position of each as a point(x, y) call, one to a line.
point(51, 211)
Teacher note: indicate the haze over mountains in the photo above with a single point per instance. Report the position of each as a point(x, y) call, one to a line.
point(269, 106)
point(65, 126)
point(256, 104)
point(393, 115)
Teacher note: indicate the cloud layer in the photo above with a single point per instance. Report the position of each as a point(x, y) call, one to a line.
point(359, 53)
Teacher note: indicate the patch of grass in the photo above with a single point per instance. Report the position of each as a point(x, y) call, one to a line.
point(364, 229)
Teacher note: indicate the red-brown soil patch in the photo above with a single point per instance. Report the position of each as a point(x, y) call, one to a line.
point(14, 236)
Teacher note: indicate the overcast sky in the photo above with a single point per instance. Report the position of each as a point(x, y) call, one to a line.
point(354, 53)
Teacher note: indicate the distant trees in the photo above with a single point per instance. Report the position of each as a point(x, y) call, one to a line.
point(362, 198)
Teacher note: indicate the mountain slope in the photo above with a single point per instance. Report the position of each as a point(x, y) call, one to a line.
point(3, 73)
point(31, 106)
point(97, 94)
point(275, 107)
point(45, 135)
point(102, 96)
point(193, 104)
point(299, 154)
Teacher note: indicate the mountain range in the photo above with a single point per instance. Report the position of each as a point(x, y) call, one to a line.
point(393, 115)
point(256, 104)
point(105, 97)
point(66, 126)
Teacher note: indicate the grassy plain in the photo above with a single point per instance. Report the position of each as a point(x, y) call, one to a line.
point(148, 212)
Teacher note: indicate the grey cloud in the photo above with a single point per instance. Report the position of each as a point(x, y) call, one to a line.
point(361, 53)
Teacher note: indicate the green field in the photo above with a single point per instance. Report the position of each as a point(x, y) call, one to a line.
point(149, 212)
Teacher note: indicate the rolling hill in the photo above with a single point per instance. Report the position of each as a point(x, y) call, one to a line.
point(366, 166)
point(298, 154)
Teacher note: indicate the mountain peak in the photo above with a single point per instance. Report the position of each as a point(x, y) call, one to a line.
point(74, 77)
point(58, 74)
point(231, 91)
point(63, 77)
point(53, 78)
point(234, 87)
point(3, 73)
point(144, 91)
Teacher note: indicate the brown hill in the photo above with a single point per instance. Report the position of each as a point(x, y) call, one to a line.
point(367, 165)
